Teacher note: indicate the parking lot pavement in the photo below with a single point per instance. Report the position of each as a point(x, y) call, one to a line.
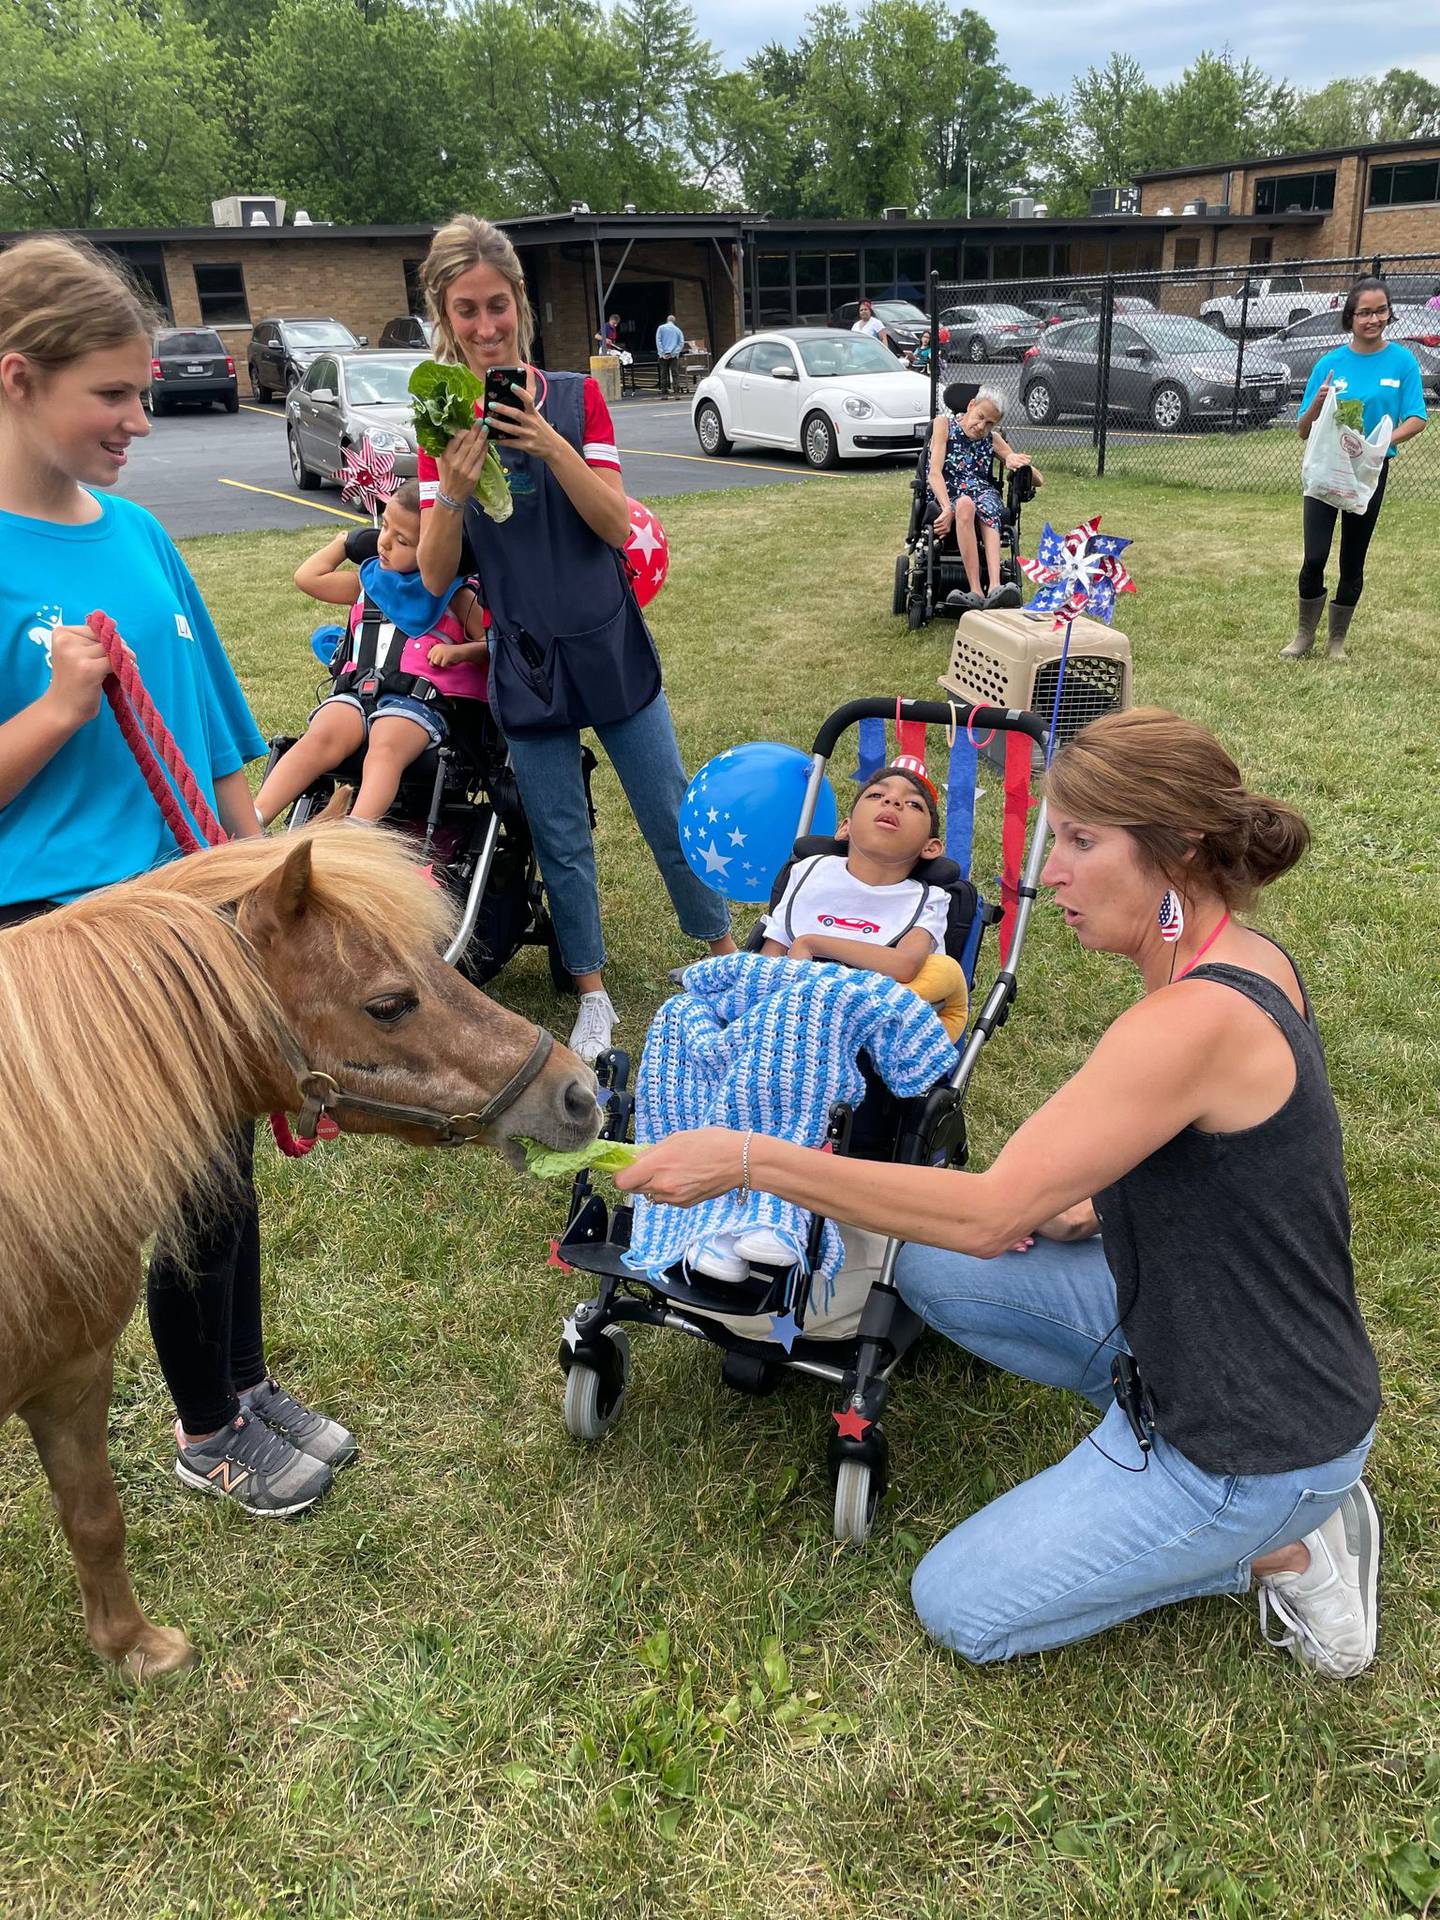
point(203, 471)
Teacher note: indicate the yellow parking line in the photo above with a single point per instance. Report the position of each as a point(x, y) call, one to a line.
point(753, 466)
point(266, 413)
point(299, 500)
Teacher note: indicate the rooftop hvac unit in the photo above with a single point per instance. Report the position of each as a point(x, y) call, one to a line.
point(895, 213)
point(1022, 207)
point(1196, 206)
point(248, 210)
point(1104, 200)
point(1008, 658)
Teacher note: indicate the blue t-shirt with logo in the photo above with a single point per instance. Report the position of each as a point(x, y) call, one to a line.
point(1388, 382)
point(87, 818)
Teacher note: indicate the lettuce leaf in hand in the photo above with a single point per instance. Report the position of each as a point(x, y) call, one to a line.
point(600, 1156)
point(445, 398)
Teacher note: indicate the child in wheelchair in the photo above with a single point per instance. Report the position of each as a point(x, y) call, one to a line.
point(963, 447)
point(405, 655)
point(866, 909)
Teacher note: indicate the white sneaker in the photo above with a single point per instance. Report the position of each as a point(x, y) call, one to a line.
point(766, 1247)
point(717, 1259)
point(1329, 1611)
point(594, 1025)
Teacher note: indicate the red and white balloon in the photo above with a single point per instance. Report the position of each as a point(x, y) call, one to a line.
point(647, 553)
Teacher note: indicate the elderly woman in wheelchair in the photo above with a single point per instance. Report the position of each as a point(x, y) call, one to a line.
point(964, 446)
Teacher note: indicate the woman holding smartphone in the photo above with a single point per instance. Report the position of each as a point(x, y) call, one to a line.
point(1385, 377)
point(569, 646)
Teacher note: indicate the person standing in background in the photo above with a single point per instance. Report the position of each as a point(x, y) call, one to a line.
point(669, 345)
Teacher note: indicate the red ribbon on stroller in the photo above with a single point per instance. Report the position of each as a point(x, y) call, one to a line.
point(1018, 802)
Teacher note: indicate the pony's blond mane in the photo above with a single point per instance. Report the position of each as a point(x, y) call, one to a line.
point(130, 1021)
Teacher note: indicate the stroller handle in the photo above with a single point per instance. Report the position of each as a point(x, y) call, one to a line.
point(934, 713)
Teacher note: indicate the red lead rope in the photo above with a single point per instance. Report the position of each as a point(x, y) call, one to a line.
point(155, 751)
point(152, 742)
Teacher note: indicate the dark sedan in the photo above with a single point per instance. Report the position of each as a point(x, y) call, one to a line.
point(281, 351)
point(191, 364)
point(1165, 368)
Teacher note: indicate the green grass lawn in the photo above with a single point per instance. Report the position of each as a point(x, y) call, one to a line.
point(498, 1674)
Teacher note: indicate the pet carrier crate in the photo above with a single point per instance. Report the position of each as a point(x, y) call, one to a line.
point(1009, 658)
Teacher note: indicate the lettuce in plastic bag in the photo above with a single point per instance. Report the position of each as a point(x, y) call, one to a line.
point(445, 398)
point(600, 1156)
point(1351, 413)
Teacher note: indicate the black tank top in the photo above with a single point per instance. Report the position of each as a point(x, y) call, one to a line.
point(1231, 1257)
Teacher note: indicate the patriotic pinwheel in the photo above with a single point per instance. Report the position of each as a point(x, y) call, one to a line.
point(368, 476)
point(1080, 573)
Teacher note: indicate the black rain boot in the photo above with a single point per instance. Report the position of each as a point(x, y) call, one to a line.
point(1340, 618)
point(1309, 620)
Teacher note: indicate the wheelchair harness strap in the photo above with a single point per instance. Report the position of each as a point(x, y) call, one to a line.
point(370, 660)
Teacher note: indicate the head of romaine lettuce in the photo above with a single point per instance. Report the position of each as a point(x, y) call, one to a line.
point(445, 400)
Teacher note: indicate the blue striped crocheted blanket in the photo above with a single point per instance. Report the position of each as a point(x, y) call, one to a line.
point(769, 1043)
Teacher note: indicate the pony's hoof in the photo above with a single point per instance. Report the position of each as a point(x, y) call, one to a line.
point(158, 1652)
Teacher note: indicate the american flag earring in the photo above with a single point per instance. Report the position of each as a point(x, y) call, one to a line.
point(1171, 916)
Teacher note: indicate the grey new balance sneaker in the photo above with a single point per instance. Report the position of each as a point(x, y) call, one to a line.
point(1329, 1612)
point(594, 1026)
point(257, 1469)
point(305, 1429)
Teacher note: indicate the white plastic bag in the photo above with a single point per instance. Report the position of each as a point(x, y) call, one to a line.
point(1342, 467)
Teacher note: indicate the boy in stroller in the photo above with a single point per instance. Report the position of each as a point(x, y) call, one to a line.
point(873, 913)
point(963, 447)
point(406, 652)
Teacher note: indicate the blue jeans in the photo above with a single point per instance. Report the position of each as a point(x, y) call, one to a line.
point(644, 754)
point(1086, 1543)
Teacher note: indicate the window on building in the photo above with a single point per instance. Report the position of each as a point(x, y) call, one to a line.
point(1061, 259)
point(1008, 258)
point(1296, 193)
point(946, 262)
point(1035, 260)
point(773, 269)
point(1410, 185)
point(221, 292)
point(910, 273)
point(1187, 252)
point(1260, 251)
point(415, 301)
point(879, 271)
point(977, 262)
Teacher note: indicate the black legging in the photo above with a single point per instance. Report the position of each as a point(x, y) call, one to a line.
point(203, 1300)
point(204, 1306)
point(1355, 532)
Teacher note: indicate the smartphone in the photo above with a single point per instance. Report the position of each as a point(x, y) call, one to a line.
point(499, 382)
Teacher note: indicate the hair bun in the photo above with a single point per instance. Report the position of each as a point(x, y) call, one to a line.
point(1275, 837)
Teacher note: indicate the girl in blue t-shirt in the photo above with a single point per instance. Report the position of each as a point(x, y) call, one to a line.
point(75, 814)
point(1386, 377)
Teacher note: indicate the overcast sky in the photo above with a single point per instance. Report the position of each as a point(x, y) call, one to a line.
point(1045, 42)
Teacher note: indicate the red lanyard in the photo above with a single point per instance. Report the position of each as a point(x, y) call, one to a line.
point(1220, 927)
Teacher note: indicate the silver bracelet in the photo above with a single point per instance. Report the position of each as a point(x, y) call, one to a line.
point(442, 499)
point(745, 1164)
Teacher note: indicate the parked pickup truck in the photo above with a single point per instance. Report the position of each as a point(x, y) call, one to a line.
point(1273, 303)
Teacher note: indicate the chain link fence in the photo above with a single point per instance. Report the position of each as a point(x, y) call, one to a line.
point(1192, 378)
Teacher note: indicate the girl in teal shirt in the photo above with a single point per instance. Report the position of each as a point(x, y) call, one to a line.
point(1386, 377)
point(75, 813)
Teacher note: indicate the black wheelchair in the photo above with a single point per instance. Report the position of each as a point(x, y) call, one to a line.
point(930, 576)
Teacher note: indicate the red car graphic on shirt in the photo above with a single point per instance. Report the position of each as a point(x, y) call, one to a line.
point(850, 926)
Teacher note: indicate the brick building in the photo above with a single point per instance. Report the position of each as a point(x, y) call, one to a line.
point(1338, 203)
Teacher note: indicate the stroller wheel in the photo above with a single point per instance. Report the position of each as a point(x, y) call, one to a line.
point(747, 1375)
point(857, 1494)
point(915, 613)
point(593, 1402)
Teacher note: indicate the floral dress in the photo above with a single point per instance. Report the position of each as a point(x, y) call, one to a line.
point(967, 470)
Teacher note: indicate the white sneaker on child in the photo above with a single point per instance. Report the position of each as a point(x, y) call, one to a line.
point(595, 1023)
point(759, 1243)
point(717, 1259)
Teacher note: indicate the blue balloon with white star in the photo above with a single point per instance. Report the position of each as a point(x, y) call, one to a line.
point(741, 813)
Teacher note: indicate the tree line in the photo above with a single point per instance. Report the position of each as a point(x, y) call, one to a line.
point(140, 112)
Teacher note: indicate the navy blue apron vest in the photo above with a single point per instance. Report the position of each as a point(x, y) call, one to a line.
point(569, 646)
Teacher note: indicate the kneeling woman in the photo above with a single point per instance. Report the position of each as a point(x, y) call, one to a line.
point(1200, 1143)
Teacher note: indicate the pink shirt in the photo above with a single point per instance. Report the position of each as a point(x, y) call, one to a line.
point(465, 680)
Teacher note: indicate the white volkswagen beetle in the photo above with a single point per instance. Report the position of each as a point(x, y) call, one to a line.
point(828, 394)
